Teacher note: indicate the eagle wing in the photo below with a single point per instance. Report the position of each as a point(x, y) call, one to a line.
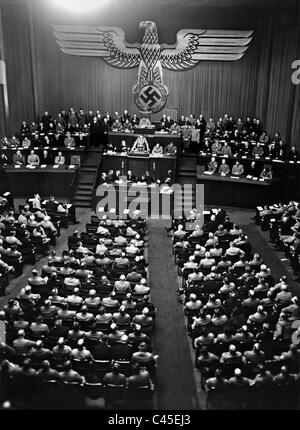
point(195, 45)
point(98, 41)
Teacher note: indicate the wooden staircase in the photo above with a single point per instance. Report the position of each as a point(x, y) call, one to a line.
point(187, 174)
point(89, 171)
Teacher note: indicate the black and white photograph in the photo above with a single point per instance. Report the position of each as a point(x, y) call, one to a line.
point(149, 208)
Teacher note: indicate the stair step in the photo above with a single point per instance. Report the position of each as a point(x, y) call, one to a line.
point(83, 186)
point(94, 164)
point(82, 197)
point(89, 169)
point(82, 204)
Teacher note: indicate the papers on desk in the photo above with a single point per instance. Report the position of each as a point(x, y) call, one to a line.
point(234, 177)
point(69, 205)
point(261, 179)
point(72, 166)
point(214, 211)
point(277, 161)
point(254, 178)
point(244, 156)
point(206, 172)
point(43, 166)
point(259, 208)
point(29, 166)
point(54, 149)
point(206, 212)
point(223, 174)
point(112, 211)
point(291, 162)
point(267, 158)
point(248, 177)
point(6, 194)
point(46, 147)
point(56, 166)
point(101, 209)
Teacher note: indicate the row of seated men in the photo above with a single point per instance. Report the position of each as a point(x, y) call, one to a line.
point(87, 318)
point(243, 149)
point(33, 159)
point(27, 234)
point(283, 223)
point(141, 145)
point(40, 139)
point(239, 316)
point(238, 169)
point(146, 179)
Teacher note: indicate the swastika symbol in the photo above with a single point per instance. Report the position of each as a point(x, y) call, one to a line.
point(150, 96)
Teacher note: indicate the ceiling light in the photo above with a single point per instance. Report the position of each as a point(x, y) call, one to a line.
point(82, 6)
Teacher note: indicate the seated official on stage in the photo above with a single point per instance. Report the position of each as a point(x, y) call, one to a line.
point(69, 141)
point(127, 126)
point(26, 143)
point(212, 166)
point(157, 150)
point(59, 159)
point(171, 149)
point(18, 159)
point(124, 147)
point(266, 174)
point(33, 159)
point(224, 169)
point(145, 122)
point(140, 145)
point(45, 158)
point(237, 169)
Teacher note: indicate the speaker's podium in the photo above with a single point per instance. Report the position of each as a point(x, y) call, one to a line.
point(138, 162)
point(145, 129)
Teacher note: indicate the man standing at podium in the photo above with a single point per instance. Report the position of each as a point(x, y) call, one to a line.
point(140, 145)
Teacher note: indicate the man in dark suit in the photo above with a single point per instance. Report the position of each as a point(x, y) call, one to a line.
point(130, 176)
point(46, 119)
point(102, 351)
point(253, 170)
point(121, 350)
point(45, 158)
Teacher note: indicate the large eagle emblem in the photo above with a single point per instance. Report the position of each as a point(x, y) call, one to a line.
point(193, 46)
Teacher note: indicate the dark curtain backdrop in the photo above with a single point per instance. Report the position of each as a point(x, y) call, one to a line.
point(18, 65)
point(258, 84)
